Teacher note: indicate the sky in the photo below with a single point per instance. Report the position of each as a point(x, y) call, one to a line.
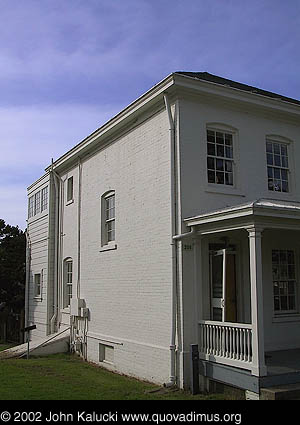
point(67, 66)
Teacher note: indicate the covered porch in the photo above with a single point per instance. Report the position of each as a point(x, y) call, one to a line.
point(246, 280)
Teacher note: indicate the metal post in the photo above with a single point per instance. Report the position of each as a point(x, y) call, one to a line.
point(27, 345)
point(194, 353)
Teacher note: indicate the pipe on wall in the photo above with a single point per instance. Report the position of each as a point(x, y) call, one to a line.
point(172, 380)
point(53, 319)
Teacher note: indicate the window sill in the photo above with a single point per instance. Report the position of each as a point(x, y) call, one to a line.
point(293, 317)
point(227, 190)
point(70, 202)
point(109, 247)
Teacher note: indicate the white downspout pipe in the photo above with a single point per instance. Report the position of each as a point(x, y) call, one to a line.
point(172, 380)
point(55, 292)
point(27, 278)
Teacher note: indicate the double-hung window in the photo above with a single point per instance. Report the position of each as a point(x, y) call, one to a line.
point(44, 203)
point(284, 280)
point(37, 285)
point(219, 157)
point(278, 166)
point(108, 218)
point(31, 207)
point(68, 282)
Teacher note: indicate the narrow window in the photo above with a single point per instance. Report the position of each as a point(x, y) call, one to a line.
point(31, 207)
point(68, 280)
point(108, 222)
point(219, 157)
point(70, 189)
point(37, 203)
point(37, 285)
point(284, 280)
point(277, 166)
point(44, 204)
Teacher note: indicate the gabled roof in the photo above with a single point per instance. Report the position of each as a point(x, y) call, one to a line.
point(206, 76)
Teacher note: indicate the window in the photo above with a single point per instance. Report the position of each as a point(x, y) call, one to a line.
point(31, 207)
point(37, 203)
point(70, 189)
point(278, 167)
point(219, 157)
point(284, 280)
point(44, 204)
point(37, 285)
point(106, 353)
point(108, 221)
point(68, 279)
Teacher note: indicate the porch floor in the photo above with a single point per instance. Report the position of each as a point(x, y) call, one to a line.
point(283, 362)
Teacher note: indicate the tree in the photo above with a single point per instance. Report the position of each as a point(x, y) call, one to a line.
point(12, 270)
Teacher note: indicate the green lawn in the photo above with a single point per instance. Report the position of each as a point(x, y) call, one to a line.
point(66, 377)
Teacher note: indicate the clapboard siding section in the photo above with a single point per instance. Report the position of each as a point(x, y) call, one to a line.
point(38, 235)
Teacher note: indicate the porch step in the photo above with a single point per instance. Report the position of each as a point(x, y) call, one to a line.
point(281, 392)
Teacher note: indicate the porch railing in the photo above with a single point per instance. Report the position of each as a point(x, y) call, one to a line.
point(227, 343)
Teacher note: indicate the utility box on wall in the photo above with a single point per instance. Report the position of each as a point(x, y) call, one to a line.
point(76, 307)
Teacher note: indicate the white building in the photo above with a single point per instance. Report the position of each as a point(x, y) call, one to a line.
point(176, 223)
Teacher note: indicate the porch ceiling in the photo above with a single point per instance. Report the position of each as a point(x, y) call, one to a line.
point(263, 213)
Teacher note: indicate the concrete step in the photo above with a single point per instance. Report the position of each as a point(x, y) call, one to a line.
point(281, 392)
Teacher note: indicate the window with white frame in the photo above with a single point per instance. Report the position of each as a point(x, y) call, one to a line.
point(44, 202)
point(68, 282)
point(37, 203)
point(37, 285)
point(219, 157)
point(284, 280)
point(277, 166)
point(70, 189)
point(108, 218)
point(31, 207)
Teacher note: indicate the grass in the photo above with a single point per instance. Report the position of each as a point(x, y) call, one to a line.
point(67, 377)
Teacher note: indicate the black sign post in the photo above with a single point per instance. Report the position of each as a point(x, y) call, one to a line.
point(28, 329)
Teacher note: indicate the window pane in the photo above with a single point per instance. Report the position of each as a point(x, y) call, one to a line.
point(284, 160)
point(284, 174)
point(220, 150)
point(270, 172)
point(210, 136)
point(211, 176)
point(220, 177)
point(269, 147)
point(210, 163)
point(220, 164)
point(229, 178)
point(284, 150)
point(276, 148)
point(228, 166)
point(228, 152)
point(269, 159)
point(228, 139)
point(211, 149)
point(220, 138)
point(277, 161)
point(277, 174)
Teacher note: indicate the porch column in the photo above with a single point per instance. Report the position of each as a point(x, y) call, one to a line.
point(258, 343)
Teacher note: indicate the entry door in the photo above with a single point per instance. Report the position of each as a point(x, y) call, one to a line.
point(223, 285)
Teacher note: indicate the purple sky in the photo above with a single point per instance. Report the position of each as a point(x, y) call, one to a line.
point(67, 66)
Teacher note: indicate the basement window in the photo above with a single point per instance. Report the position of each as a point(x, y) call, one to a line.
point(106, 353)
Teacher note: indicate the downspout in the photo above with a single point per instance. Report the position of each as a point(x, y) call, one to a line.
point(28, 258)
point(55, 287)
point(172, 380)
point(79, 226)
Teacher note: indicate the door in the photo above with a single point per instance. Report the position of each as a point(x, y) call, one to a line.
point(223, 285)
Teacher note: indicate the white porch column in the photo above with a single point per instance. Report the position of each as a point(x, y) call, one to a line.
point(257, 313)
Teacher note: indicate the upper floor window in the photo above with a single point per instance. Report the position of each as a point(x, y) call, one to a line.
point(38, 202)
point(44, 204)
point(108, 218)
point(219, 157)
point(278, 166)
point(31, 207)
point(70, 189)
